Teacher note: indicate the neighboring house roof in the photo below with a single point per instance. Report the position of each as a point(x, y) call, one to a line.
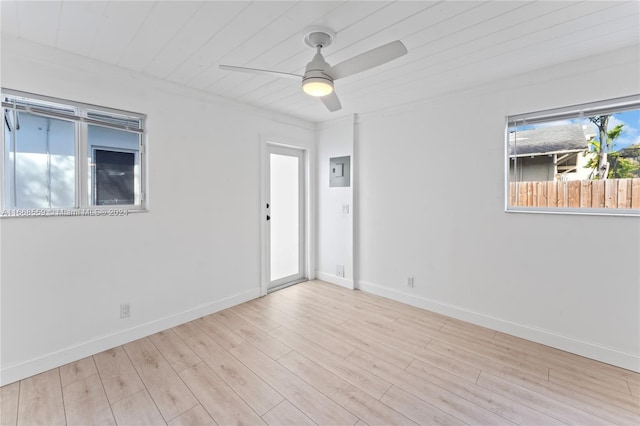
point(548, 140)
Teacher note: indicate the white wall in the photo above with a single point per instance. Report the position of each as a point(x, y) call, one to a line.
point(431, 205)
point(334, 227)
point(196, 251)
point(443, 222)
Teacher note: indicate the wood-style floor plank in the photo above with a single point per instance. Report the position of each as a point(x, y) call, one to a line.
point(542, 403)
point(197, 416)
point(186, 330)
point(350, 309)
point(401, 310)
point(390, 336)
point(596, 389)
point(9, 395)
point(461, 328)
point(360, 378)
point(498, 404)
point(483, 348)
point(252, 334)
point(325, 340)
point(582, 402)
point(257, 319)
point(359, 403)
point(118, 375)
point(285, 414)
point(295, 310)
point(40, 401)
point(168, 392)
point(296, 295)
point(578, 373)
point(442, 362)
point(482, 362)
point(304, 309)
point(220, 401)
point(339, 347)
point(564, 359)
point(306, 398)
point(174, 350)
point(443, 399)
point(319, 354)
point(416, 409)
point(374, 347)
point(533, 361)
point(137, 409)
point(78, 370)
point(408, 341)
point(222, 334)
point(86, 403)
point(253, 390)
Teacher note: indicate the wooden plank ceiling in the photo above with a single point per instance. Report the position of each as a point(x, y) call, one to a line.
point(452, 45)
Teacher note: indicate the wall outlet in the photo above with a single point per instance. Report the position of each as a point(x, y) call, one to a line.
point(125, 310)
point(340, 271)
point(409, 281)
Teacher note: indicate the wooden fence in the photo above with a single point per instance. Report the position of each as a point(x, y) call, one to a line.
point(609, 193)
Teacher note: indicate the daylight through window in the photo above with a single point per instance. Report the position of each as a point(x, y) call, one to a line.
point(583, 159)
point(66, 155)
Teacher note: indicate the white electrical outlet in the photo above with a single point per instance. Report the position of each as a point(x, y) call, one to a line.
point(125, 310)
point(409, 281)
point(340, 271)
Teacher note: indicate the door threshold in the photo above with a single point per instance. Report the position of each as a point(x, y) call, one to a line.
point(289, 284)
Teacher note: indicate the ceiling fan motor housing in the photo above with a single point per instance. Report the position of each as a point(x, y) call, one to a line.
point(316, 67)
point(314, 72)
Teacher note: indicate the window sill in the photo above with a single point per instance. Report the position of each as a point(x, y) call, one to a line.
point(576, 211)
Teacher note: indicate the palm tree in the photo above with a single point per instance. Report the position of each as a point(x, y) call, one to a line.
point(601, 167)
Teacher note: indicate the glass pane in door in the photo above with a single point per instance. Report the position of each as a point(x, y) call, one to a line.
point(285, 216)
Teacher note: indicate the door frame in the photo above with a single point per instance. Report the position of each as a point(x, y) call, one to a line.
point(309, 208)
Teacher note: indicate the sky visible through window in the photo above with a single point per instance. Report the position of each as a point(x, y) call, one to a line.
point(630, 132)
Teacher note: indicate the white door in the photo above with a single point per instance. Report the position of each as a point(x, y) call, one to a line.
point(285, 216)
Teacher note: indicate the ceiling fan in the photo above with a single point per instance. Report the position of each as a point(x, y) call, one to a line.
point(319, 76)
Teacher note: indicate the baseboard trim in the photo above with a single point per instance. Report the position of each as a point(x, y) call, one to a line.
point(334, 279)
point(545, 337)
point(13, 373)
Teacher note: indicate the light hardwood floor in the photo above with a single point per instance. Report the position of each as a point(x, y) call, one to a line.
point(315, 353)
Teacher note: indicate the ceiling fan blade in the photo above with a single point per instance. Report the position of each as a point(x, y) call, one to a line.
point(259, 71)
point(331, 101)
point(367, 60)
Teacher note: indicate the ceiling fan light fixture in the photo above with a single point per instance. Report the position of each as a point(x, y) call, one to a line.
point(317, 86)
point(318, 77)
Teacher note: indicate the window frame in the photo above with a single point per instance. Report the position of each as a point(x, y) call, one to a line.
point(83, 157)
point(609, 106)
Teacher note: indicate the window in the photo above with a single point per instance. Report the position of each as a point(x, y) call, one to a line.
point(580, 159)
point(61, 155)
